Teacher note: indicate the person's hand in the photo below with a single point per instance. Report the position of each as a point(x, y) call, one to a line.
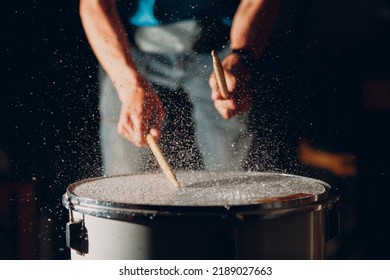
point(141, 113)
point(237, 79)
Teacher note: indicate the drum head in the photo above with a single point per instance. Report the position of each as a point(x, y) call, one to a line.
point(198, 189)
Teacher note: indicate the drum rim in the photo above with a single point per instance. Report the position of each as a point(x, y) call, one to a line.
point(124, 211)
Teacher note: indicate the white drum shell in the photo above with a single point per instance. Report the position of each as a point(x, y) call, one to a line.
point(296, 236)
point(169, 239)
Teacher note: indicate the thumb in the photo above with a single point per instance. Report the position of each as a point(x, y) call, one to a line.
point(156, 133)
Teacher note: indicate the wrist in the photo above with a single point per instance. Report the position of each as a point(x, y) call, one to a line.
point(246, 57)
point(129, 86)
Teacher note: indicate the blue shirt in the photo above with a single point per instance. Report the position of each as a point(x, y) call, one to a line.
point(156, 12)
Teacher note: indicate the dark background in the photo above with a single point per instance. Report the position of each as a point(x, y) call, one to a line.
point(49, 117)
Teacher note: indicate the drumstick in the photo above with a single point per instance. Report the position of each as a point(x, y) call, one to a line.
point(219, 74)
point(161, 159)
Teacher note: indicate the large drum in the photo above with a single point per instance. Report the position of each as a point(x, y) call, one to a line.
point(213, 215)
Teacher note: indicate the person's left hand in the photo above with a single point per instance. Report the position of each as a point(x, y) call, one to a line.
point(237, 79)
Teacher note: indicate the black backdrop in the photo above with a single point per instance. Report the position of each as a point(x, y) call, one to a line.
point(49, 104)
point(48, 119)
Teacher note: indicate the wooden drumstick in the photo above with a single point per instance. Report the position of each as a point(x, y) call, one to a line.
point(220, 75)
point(161, 159)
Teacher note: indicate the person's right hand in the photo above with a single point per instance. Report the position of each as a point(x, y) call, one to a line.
point(141, 113)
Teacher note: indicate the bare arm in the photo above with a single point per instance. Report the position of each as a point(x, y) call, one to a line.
point(141, 108)
point(108, 39)
point(251, 29)
point(252, 25)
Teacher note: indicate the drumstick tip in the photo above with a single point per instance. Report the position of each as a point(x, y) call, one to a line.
point(176, 183)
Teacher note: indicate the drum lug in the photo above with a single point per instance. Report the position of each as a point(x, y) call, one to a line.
point(332, 223)
point(76, 234)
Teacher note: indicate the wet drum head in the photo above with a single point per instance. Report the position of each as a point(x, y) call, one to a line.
point(199, 190)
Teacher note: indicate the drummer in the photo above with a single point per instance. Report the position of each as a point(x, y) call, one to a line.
point(155, 57)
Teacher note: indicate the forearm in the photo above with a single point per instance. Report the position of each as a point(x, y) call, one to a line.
point(108, 39)
point(252, 25)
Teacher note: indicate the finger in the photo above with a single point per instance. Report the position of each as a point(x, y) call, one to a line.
point(216, 95)
point(215, 91)
point(231, 81)
point(125, 126)
point(226, 114)
point(128, 135)
point(227, 104)
point(225, 108)
point(156, 133)
point(213, 81)
point(140, 128)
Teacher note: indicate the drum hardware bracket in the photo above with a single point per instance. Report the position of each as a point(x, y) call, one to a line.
point(332, 223)
point(76, 233)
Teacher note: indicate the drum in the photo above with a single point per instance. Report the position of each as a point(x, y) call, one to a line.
point(213, 215)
